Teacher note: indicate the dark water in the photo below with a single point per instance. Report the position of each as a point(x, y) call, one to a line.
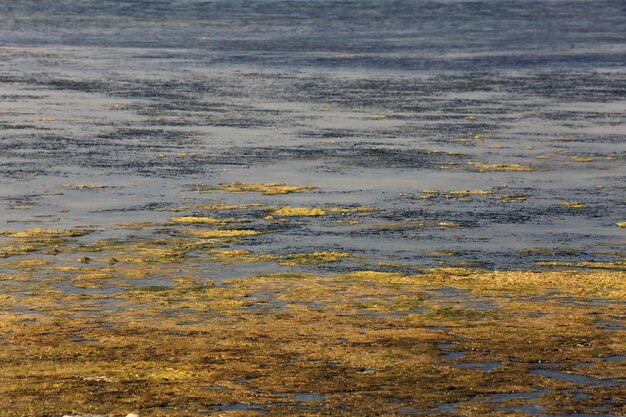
point(155, 98)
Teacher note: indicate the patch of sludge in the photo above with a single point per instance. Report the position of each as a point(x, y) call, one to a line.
point(173, 343)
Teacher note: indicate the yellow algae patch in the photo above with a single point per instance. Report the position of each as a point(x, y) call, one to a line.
point(191, 348)
point(377, 276)
point(210, 234)
point(47, 119)
point(235, 256)
point(21, 207)
point(314, 258)
point(28, 264)
point(350, 222)
point(377, 116)
point(195, 220)
point(118, 106)
point(62, 268)
point(424, 197)
point(449, 224)
point(138, 225)
point(211, 207)
point(7, 251)
point(359, 209)
point(39, 232)
point(620, 224)
point(446, 272)
point(84, 186)
point(469, 192)
point(512, 198)
point(187, 154)
point(596, 265)
point(500, 167)
point(289, 211)
point(272, 188)
point(441, 253)
point(404, 224)
point(573, 204)
point(581, 159)
point(94, 275)
point(610, 283)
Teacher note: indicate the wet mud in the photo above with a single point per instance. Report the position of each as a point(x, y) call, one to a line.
point(312, 208)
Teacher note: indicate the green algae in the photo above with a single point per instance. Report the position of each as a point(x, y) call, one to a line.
point(273, 188)
point(85, 186)
point(222, 233)
point(165, 340)
point(288, 211)
point(174, 360)
point(48, 233)
point(499, 167)
point(8, 250)
point(211, 207)
point(314, 258)
point(573, 204)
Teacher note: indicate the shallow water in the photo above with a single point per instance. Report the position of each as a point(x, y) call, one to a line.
point(442, 140)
